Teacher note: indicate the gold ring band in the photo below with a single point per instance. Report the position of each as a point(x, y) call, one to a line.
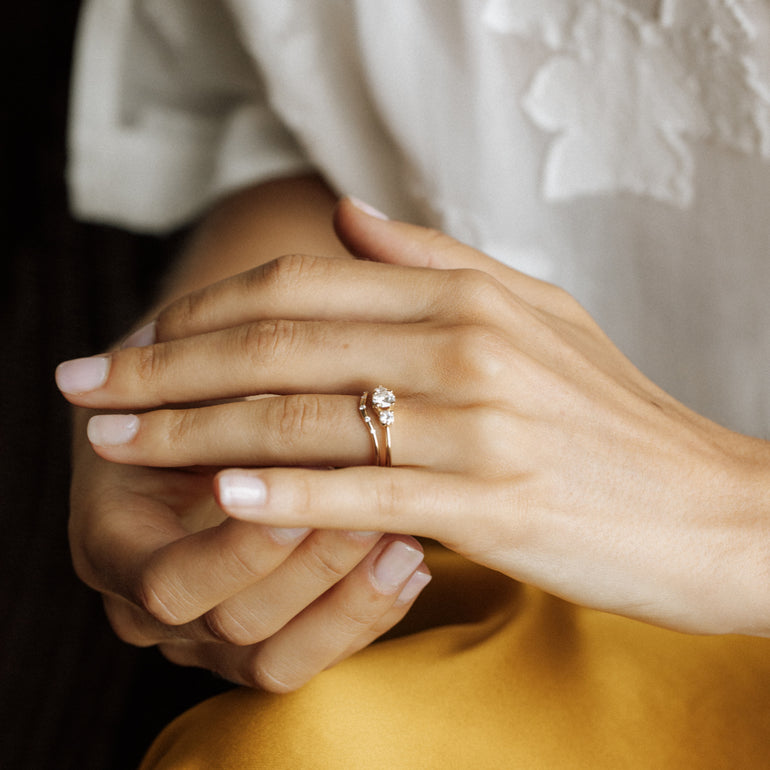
point(382, 402)
point(369, 426)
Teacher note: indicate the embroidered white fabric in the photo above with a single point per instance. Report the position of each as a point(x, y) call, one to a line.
point(620, 148)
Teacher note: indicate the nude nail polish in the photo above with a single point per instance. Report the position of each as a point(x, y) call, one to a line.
point(143, 336)
point(288, 535)
point(112, 429)
point(368, 208)
point(82, 375)
point(241, 490)
point(395, 564)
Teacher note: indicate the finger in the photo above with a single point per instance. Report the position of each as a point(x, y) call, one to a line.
point(262, 608)
point(313, 285)
point(359, 609)
point(340, 621)
point(306, 430)
point(264, 357)
point(409, 594)
point(399, 243)
point(185, 578)
point(128, 520)
point(190, 576)
point(325, 558)
point(417, 502)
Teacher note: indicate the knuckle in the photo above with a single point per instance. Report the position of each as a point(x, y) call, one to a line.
point(266, 342)
point(182, 316)
point(150, 363)
point(157, 597)
point(83, 565)
point(223, 626)
point(479, 354)
point(242, 558)
point(93, 533)
point(476, 294)
point(181, 425)
point(287, 271)
point(261, 675)
point(326, 565)
point(123, 621)
point(296, 417)
point(356, 619)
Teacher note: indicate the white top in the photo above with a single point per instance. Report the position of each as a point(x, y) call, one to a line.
point(619, 148)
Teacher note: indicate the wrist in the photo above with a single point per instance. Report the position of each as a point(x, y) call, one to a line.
point(741, 491)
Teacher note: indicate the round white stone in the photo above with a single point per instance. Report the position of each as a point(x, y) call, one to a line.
point(382, 398)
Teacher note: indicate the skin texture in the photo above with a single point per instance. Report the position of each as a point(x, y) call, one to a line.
point(523, 440)
point(174, 570)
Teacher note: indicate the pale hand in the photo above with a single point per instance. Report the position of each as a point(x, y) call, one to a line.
point(523, 438)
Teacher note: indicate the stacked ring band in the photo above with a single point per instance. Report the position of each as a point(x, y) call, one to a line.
point(369, 426)
point(382, 402)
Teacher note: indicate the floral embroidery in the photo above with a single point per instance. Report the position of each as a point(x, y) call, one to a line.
point(548, 20)
point(629, 85)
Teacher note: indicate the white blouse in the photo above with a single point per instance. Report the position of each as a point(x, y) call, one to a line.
point(619, 148)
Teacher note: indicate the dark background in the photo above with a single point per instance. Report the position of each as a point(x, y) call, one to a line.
point(71, 694)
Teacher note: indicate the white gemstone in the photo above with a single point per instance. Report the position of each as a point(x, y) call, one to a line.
point(382, 398)
point(386, 417)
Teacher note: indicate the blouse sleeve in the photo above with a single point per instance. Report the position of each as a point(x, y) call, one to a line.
point(167, 114)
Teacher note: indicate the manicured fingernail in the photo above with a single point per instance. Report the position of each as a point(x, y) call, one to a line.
point(112, 429)
point(82, 374)
point(141, 337)
point(367, 208)
point(395, 564)
point(241, 490)
point(413, 587)
point(286, 535)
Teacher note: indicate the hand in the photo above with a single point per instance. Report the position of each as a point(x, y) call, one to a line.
point(261, 606)
point(523, 438)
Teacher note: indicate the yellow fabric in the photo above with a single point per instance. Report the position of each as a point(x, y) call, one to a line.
point(519, 680)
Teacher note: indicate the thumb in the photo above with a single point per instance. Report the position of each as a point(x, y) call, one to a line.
point(369, 234)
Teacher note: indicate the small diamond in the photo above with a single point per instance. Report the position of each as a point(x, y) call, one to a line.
point(386, 417)
point(382, 398)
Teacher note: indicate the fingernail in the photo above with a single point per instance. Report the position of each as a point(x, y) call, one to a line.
point(367, 208)
point(413, 587)
point(112, 429)
point(82, 374)
point(241, 490)
point(286, 535)
point(395, 564)
point(141, 337)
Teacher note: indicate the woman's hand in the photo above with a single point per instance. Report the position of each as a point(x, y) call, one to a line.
point(523, 439)
point(261, 606)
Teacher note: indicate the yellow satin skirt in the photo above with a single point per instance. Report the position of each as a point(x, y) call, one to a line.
point(493, 674)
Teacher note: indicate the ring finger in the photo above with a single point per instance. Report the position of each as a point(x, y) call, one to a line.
point(309, 430)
